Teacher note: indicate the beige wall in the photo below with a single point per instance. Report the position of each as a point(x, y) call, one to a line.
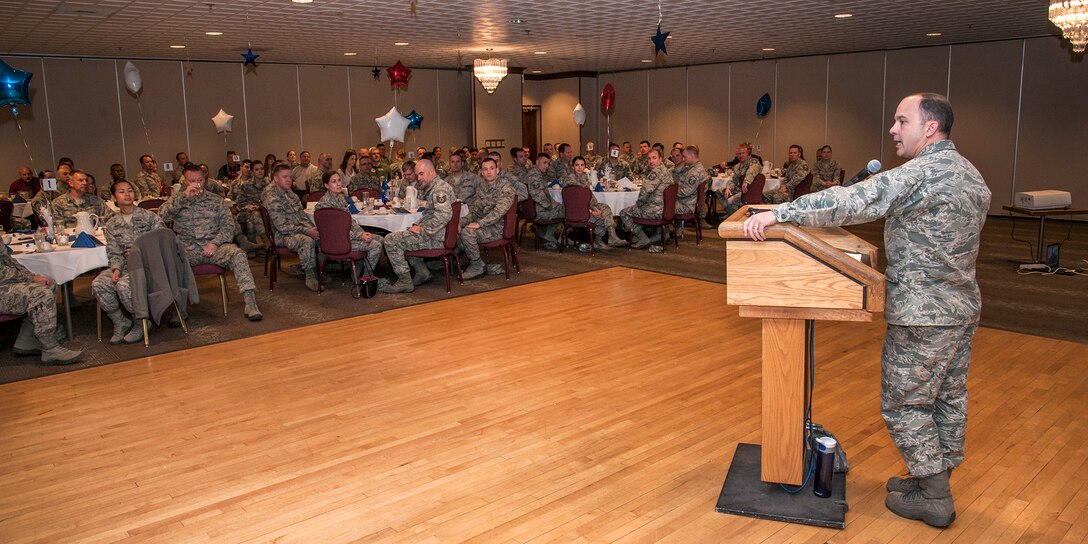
point(498, 115)
point(80, 109)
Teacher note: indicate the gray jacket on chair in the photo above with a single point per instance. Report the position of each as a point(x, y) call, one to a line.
point(160, 275)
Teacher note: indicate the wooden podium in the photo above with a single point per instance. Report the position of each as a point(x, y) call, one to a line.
point(798, 274)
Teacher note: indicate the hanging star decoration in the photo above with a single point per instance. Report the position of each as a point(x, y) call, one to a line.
point(377, 73)
point(415, 120)
point(412, 7)
point(659, 41)
point(250, 58)
point(188, 68)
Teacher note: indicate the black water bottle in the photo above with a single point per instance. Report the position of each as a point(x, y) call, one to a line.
point(825, 466)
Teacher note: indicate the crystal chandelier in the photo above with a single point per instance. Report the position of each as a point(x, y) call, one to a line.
point(1072, 17)
point(490, 72)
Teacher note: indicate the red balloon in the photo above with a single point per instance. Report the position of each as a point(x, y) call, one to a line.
point(399, 75)
point(608, 99)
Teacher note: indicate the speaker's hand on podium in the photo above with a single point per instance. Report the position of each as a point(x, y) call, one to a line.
point(753, 226)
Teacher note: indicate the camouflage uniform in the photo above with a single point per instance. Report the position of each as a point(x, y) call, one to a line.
point(618, 171)
point(19, 294)
point(289, 225)
point(516, 176)
point(364, 181)
point(439, 212)
point(488, 208)
point(546, 206)
point(792, 176)
point(743, 175)
point(464, 185)
point(651, 198)
point(65, 208)
point(119, 237)
point(248, 193)
point(593, 161)
point(205, 220)
point(606, 220)
point(307, 178)
point(687, 196)
point(825, 171)
point(373, 248)
point(627, 159)
point(935, 206)
point(640, 165)
point(402, 189)
point(147, 185)
point(559, 171)
point(216, 187)
point(520, 189)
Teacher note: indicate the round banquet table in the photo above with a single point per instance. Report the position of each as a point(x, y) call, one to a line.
point(617, 200)
point(62, 265)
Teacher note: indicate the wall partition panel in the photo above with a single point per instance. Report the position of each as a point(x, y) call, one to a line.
point(454, 91)
point(749, 81)
point(630, 117)
point(855, 111)
point(708, 112)
point(83, 107)
point(668, 106)
point(911, 71)
point(163, 110)
point(985, 94)
point(215, 86)
point(272, 101)
point(324, 101)
point(802, 106)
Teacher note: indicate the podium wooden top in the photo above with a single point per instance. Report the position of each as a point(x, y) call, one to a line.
point(807, 273)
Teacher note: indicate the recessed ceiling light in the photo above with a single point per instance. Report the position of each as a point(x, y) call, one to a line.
point(934, 34)
point(214, 33)
point(350, 54)
point(303, 1)
point(646, 60)
point(400, 43)
point(843, 15)
point(768, 49)
point(517, 20)
point(540, 52)
point(177, 47)
point(535, 72)
point(669, 37)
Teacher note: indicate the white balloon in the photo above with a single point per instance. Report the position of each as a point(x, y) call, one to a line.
point(393, 125)
point(223, 121)
point(579, 114)
point(133, 81)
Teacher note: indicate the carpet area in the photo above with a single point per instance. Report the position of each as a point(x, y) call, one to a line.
point(1044, 305)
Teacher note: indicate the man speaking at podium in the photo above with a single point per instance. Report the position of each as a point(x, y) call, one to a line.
point(935, 206)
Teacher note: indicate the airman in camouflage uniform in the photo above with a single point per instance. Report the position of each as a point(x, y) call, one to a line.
point(599, 214)
point(429, 233)
point(935, 206)
point(247, 198)
point(826, 171)
point(518, 171)
point(408, 179)
point(687, 195)
point(112, 286)
point(22, 292)
point(561, 167)
point(593, 160)
point(291, 227)
point(361, 240)
point(546, 206)
point(65, 207)
point(462, 181)
point(640, 164)
point(148, 182)
point(651, 200)
point(614, 167)
point(205, 228)
point(744, 173)
point(484, 221)
point(794, 172)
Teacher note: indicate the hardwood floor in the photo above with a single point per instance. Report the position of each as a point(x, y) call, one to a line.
point(601, 407)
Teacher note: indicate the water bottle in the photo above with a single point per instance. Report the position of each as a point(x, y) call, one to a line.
point(825, 466)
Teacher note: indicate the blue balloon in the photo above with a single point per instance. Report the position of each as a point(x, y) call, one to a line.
point(14, 87)
point(415, 120)
point(763, 105)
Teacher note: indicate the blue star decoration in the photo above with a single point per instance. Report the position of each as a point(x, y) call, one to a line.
point(377, 73)
point(14, 87)
point(659, 41)
point(415, 120)
point(250, 57)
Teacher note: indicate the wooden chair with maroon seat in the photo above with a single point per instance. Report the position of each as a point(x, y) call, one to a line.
point(754, 195)
point(668, 214)
point(448, 249)
point(576, 201)
point(693, 217)
point(273, 252)
point(528, 218)
point(507, 242)
point(804, 188)
point(334, 225)
point(209, 269)
point(315, 196)
point(151, 204)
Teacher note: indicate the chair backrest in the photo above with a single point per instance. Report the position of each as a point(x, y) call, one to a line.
point(510, 221)
point(842, 175)
point(7, 207)
point(576, 203)
point(669, 210)
point(151, 203)
point(755, 190)
point(804, 188)
point(527, 209)
point(363, 193)
point(453, 227)
point(700, 198)
point(267, 222)
point(315, 196)
point(334, 225)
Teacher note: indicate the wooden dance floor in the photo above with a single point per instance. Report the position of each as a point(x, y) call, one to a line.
point(601, 407)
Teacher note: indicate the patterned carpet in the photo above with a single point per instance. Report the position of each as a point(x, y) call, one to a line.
point(1051, 306)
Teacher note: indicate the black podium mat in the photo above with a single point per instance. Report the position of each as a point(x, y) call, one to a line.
point(744, 494)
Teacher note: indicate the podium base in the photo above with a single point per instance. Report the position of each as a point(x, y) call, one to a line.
point(744, 494)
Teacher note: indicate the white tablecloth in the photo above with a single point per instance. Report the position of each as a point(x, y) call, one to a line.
point(392, 222)
point(617, 200)
point(63, 264)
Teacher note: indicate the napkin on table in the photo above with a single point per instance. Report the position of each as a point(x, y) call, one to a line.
point(85, 240)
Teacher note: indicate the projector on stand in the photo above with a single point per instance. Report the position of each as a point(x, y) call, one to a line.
point(1043, 200)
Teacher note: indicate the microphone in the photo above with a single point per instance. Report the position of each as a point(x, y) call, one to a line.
point(870, 169)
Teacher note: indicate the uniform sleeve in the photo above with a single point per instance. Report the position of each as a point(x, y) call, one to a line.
point(435, 223)
point(170, 209)
point(797, 176)
point(852, 205)
point(115, 253)
point(12, 271)
point(226, 224)
point(502, 205)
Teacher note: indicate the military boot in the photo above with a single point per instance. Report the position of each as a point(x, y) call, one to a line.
point(59, 355)
point(614, 239)
point(906, 485)
point(136, 334)
point(598, 241)
point(252, 312)
point(121, 325)
point(27, 342)
point(423, 274)
point(475, 269)
point(931, 502)
point(640, 239)
point(402, 285)
point(311, 281)
point(704, 224)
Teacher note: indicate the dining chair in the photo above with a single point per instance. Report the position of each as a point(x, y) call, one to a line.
point(272, 253)
point(507, 242)
point(334, 225)
point(668, 214)
point(693, 217)
point(576, 199)
point(448, 249)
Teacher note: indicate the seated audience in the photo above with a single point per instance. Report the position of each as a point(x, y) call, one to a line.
point(650, 203)
point(65, 207)
point(484, 222)
point(599, 214)
point(22, 292)
point(291, 227)
point(826, 172)
point(793, 173)
point(428, 233)
point(361, 240)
